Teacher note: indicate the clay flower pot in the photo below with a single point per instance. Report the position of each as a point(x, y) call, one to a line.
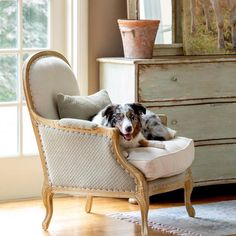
point(138, 37)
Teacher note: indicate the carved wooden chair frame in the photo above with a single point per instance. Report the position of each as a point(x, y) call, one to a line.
point(142, 190)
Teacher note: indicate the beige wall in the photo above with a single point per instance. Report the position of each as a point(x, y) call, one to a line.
point(104, 35)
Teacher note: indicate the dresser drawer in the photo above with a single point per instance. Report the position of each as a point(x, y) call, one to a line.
point(201, 122)
point(214, 163)
point(186, 81)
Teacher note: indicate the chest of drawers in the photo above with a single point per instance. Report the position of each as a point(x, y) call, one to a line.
point(197, 94)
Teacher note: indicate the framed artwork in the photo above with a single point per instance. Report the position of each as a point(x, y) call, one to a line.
point(209, 27)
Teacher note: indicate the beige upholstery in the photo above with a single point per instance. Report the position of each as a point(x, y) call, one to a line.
point(80, 157)
point(177, 157)
point(50, 76)
point(76, 123)
point(68, 167)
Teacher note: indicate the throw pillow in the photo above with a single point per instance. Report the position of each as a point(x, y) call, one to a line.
point(82, 107)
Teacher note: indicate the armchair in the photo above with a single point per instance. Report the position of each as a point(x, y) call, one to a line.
point(78, 156)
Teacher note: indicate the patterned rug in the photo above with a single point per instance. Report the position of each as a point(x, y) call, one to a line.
point(213, 219)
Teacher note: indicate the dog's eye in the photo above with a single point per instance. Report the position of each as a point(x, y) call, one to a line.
point(118, 117)
point(132, 117)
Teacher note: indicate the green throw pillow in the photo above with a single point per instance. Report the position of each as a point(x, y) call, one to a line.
point(82, 107)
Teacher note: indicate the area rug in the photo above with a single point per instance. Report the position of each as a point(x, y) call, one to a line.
point(213, 219)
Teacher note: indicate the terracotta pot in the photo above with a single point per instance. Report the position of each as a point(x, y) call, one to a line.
point(138, 37)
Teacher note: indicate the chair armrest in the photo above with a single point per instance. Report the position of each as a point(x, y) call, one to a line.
point(76, 123)
point(83, 155)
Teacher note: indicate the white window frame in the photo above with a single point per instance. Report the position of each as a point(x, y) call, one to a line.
point(21, 175)
point(77, 43)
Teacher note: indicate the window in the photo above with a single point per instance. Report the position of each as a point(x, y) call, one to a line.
point(25, 29)
point(28, 26)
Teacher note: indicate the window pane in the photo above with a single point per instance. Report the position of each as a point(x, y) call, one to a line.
point(29, 142)
point(161, 10)
point(35, 23)
point(8, 24)
point(25, 56)
point(8, 131)
point(8, 78)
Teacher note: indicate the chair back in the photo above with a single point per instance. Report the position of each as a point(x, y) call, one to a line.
point(46, 74)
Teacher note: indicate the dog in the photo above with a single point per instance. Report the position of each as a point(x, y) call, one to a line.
point(153, 129)
point(136, 125)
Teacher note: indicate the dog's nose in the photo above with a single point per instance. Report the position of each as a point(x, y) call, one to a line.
point(128, 129)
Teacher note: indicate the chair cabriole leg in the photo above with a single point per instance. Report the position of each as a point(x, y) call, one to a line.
point(48, 203)
point(89, 203)
point(188, 188)
point(143, 202)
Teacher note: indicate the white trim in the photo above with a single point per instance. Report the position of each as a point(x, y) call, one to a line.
point(19, 81)
point(15, 50)
point(77, 16)
point(20, 178)
point(8, 104)
point(69, 26)
point(57, 26)
point(82, 49)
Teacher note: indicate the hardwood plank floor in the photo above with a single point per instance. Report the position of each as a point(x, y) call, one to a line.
point(24, 218)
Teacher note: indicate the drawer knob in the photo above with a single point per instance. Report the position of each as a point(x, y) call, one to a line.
point(174, 78)
point(174, 122)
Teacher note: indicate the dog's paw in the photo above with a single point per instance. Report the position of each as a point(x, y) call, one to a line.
point(157, 144)
point(161, 145)
point(171, 132)
point(125, 154)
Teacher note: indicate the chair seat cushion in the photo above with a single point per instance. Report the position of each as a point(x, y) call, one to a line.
point(155, 163)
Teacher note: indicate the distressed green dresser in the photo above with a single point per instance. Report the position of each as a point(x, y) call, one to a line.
point(198, 95)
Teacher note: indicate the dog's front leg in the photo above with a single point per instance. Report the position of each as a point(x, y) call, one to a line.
point(125, 153)
point(151, 143)
point(156, 144)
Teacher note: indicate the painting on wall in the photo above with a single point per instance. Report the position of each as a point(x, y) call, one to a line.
point(209, 27)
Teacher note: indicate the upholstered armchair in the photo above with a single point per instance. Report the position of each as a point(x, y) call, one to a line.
point(80, 157)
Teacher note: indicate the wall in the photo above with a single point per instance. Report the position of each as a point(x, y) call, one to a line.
point(104, 35)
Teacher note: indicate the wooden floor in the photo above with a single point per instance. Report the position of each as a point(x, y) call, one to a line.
point(69, 219)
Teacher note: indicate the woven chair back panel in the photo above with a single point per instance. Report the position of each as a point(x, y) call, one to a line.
point(83, 161)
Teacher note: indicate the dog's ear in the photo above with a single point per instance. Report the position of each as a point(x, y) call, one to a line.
point(108, 110)
point(138, 108)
